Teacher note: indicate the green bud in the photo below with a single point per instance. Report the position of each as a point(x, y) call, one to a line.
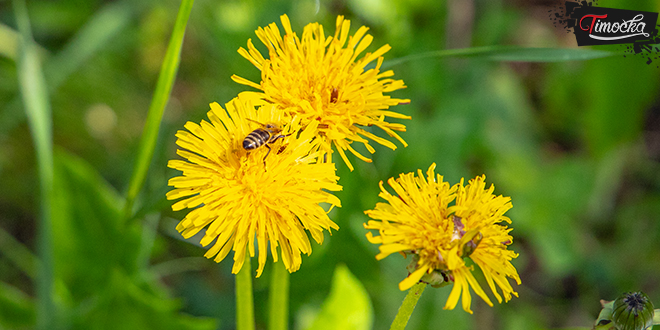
point(633, 311)
point(437, 278)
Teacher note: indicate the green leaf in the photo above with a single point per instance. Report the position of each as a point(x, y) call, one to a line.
point(510, 54)
point(86, 226)
point(158, 102)
point(126, 304)
point(99, 260)
point(348, 306)
point(17, 309)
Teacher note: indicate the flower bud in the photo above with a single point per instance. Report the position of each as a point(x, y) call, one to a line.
point(633, 311)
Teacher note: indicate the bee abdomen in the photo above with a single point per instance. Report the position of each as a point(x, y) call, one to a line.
point(256, 139)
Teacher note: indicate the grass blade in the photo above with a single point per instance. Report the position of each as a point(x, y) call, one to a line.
point(18, 253)
point(510, 54)
point(37, 107)
point(161, 96)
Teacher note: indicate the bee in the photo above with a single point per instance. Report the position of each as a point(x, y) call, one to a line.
point(262, 136)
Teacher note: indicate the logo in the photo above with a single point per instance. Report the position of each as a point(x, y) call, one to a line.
point(607, 26)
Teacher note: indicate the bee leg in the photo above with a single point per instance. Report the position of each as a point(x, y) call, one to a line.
point(279, 137)
point(267, 146)
point(271, 141)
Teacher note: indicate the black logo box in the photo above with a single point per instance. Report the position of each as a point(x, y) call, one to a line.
point(619, 16)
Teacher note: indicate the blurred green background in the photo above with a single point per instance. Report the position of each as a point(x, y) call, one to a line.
point(575, 144)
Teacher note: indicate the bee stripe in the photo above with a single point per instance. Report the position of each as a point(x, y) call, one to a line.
point(256, 139)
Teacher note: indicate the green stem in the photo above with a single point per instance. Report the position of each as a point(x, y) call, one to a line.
point(37, 108)
point(407, 306)
point(158, 102)
point(278, 317)
point(244, 299)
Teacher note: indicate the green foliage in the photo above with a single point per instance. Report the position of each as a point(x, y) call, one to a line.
point(17, 310)
point(347, 306)
point(157, 108)
point(573, 142)
point(96, 258)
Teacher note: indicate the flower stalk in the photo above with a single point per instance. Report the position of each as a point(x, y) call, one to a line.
point(244, 299)
point(408, 306)
point(278, 317)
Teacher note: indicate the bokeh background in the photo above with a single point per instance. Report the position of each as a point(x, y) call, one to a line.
point(575, 144)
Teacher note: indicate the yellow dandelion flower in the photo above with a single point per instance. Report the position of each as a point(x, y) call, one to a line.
point(272, 195)
point(420, 221)
point(320, 78)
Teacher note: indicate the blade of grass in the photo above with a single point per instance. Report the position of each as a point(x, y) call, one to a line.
point(18, 253)
point(509, 54)
point(37, 107)
point(161, 96)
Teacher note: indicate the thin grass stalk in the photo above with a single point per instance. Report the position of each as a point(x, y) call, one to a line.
point(507, 54)
point(18, 253)
point(408, 306)
point(278, 317)
point(244, 298)
point(37, 107)
point(164, 85)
